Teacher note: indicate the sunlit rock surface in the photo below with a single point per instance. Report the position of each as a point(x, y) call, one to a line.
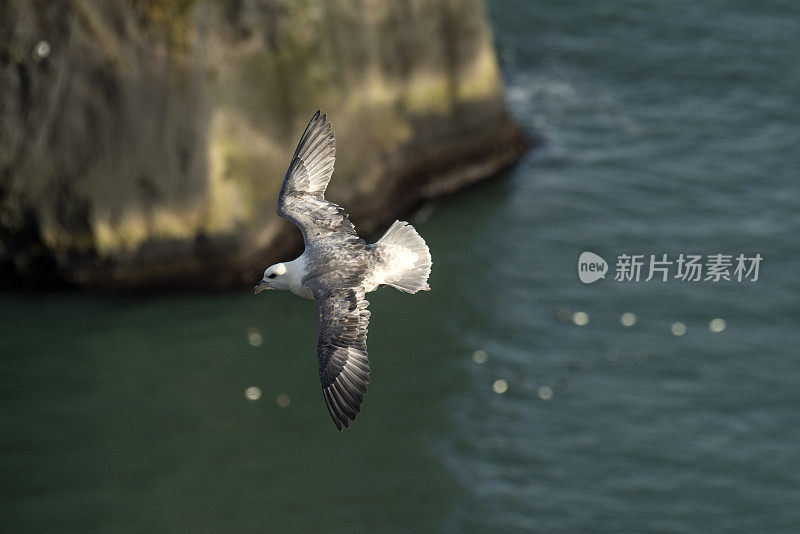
point(142, 143)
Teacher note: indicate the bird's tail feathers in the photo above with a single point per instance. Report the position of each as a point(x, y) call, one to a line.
point(406, 260)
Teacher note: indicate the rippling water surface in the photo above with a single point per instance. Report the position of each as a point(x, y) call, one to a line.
point(667, 128)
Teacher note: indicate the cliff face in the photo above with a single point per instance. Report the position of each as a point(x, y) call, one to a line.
point(143, 142)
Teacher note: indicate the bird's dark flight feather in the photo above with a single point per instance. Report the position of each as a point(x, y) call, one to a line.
point(302, 198)
point(342, 349)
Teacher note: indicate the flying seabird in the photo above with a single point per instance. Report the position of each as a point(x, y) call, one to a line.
point(338, 268)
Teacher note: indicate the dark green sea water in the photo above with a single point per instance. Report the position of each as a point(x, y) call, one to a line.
point(668, 128)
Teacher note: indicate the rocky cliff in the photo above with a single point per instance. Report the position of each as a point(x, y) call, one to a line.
point(143, 142)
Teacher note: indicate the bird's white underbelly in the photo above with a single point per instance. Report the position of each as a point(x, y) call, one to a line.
point(303, 291)
point(396, 260)
point(297, 271)
point(370, 285)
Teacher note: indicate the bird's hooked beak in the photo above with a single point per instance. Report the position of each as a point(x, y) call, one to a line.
point(262, 286)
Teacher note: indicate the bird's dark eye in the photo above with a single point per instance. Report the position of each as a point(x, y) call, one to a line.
point(273, 275)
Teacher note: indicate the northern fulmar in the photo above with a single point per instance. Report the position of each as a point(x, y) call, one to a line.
point(338, 268)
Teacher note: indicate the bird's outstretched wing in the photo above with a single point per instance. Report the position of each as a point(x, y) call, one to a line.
point(302, 198)
point(342, 350)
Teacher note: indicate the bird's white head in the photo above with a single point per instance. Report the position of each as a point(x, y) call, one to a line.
point(274, 278)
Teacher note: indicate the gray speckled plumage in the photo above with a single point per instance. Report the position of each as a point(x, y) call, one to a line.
point(338, 268)
point(302, 197)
